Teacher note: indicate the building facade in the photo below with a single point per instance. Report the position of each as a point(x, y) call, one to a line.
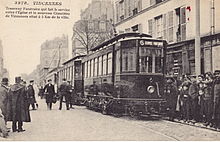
point(175, 21)
point(94, 27)
point(53, 53)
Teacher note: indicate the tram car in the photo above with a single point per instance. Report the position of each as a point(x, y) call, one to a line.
point(72, 71)
point(125, 75)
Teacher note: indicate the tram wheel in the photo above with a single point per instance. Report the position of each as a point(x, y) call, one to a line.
point(133, 113)
point(104, 110)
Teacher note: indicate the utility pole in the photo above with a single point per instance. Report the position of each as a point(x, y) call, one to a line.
point(58, 65)
point(212, 31)
point(197, 40)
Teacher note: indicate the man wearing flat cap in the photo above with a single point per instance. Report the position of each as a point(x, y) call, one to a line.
point(18, 107)
point(4, 96)
point(31, 95)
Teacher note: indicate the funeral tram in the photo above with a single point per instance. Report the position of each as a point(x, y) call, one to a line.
point(125, 75)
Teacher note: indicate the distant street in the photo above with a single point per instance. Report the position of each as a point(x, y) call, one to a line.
point(83, 124)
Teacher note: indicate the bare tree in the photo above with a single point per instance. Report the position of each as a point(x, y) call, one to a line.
point(89, 32)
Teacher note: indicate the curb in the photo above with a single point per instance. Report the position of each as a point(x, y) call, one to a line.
point(194, 125)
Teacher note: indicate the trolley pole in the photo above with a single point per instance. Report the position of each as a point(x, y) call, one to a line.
point(197, 40)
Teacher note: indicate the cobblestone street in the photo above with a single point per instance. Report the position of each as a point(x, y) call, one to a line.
point(83, 124)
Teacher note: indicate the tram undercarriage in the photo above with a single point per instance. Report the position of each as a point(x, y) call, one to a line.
point(133, 107)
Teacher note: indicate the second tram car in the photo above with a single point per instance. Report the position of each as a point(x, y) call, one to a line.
point(125, 75)
point(72, 71)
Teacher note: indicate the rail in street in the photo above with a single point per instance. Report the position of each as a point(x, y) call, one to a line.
point(83, 124)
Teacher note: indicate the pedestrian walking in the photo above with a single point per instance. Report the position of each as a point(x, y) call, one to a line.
point(64, 93)
point(71, 95)
point(41, 92)
point(31, 95)
point(49, 92)
point(36, 92)
point(4, 96)
point(18, 107)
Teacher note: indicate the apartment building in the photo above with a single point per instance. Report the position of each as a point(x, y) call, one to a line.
point(94, 26)
point(174, 21)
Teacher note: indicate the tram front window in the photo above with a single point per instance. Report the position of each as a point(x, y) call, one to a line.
point(128, 59)
point(150, 60)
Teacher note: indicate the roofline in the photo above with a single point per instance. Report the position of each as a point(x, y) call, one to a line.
point(74, 58)
point(118, 37)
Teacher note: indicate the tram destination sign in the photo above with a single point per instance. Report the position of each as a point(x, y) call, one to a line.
point(150, 43)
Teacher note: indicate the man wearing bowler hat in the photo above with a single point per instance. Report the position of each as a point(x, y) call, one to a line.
point(18, 107)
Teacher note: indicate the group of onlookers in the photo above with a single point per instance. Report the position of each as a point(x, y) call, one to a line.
point(65, 90)
point(194, 99)
point(15, 101)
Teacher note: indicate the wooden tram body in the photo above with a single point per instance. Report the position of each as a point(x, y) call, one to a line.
point(125, 75)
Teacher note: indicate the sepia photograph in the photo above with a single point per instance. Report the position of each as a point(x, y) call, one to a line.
point(109, 70)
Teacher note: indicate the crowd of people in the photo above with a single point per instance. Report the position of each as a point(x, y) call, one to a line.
point(194, 99)
point(65, 90)
point(15, 102)
point(18, 99)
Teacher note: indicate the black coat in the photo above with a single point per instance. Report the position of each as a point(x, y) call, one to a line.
point(31, 95)
point(170, 91)
point(49, 92)
point(18, 105)
point(3, 99)
point(216, 95)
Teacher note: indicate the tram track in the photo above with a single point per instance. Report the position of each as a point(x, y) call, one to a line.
point(194, 125)
point(148, 128)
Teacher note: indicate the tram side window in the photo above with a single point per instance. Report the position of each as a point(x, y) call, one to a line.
point(96, 67)
point(109, 63)
point(117, 61)
point(128, 59)
point(100, 66)
point(86, 70)
point(158, 61)
point(104, 64)
point(92, 68)
point(89, 68)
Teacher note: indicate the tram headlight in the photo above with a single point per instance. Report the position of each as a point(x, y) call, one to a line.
point(150, 89)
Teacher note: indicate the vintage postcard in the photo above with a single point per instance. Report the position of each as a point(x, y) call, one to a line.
point(109, 70)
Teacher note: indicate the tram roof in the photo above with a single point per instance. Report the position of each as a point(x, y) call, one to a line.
point(120, 36)
point(74, 58)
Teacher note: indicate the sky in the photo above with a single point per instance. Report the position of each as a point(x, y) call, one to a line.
point(22, 38)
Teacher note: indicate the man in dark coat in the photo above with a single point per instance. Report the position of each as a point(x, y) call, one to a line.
point(64, 92)
point(18, 107)
point(207, 99)
point(185, 98)
point(216, 101)
point(31, 95)
point(171, 96)
point(193, 93)
point(49, 92)
point(71, 95)
point(4, 96)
